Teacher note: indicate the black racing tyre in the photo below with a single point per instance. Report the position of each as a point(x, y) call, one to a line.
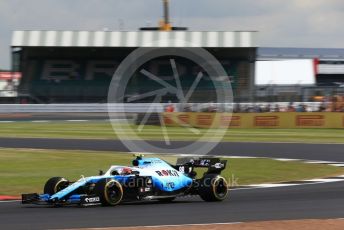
point(109, 191)
point(54, 185)
point(213, 188)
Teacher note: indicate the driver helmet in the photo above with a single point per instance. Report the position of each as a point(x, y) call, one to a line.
point(126, 171)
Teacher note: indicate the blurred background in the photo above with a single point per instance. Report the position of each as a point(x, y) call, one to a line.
point(76, 66)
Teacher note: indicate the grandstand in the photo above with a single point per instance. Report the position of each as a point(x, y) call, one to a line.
point(77, 66)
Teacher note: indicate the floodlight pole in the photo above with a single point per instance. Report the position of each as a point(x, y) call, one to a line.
point(166, 12)
point(165, 25)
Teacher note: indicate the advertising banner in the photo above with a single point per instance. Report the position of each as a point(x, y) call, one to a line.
point(283, 120)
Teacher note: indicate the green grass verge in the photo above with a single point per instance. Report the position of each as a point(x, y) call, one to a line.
point(103, 130)
point(26, 170)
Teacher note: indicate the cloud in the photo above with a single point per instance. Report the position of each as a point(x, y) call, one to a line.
point(293, 23)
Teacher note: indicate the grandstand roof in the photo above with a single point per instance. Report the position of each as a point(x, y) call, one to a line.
point(299, 53)
point(220, 39)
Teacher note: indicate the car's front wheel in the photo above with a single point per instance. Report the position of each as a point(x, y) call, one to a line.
point(54, 185)
point(109, 191)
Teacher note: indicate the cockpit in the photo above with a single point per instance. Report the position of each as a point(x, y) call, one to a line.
point(121, 170)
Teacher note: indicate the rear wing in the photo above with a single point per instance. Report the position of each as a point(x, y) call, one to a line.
point(214, 165)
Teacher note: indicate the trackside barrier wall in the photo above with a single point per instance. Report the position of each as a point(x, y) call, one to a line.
point(282, 120)
point(120, 108)
point(79, 108)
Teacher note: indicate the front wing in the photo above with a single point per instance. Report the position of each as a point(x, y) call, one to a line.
point(44, 199)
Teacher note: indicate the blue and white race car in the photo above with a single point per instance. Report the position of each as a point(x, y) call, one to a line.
point(146, 179)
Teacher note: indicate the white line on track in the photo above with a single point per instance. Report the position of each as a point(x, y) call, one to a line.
point(324, 180)
point(250, 187)
point(320, 162)
point(240, 157)
point(285, 159)
point(338, 165)
point(9, 201)
point(271, 185)
point(172, 225)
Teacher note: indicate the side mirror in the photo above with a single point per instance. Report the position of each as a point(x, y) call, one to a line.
point(135, 163)
point(101, 173)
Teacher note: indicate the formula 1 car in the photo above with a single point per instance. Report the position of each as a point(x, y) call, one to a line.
point(146, 179)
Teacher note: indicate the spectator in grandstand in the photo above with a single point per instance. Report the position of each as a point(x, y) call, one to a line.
point(277, 108)
point(291, 107)
point(306, 108)
point(169, 108)
point(335, 105)
point(258, 109)
point(300, 108)
point(9, 86)
point(212, 108)
point(251, 108)
point(248, 109)
point(322, 107)
point(237, 108)
point(244, 109)
point(187, 108)
point(267, 108)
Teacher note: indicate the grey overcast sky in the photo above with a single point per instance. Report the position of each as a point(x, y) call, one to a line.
point(282, 23)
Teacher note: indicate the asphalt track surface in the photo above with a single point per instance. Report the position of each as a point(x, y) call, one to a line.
point(323, 152)
point(324, 200)
point(299, 202)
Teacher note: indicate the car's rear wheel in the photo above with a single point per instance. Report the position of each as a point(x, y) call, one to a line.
point(109, 191)
point(213, 188)
point(54, 185)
